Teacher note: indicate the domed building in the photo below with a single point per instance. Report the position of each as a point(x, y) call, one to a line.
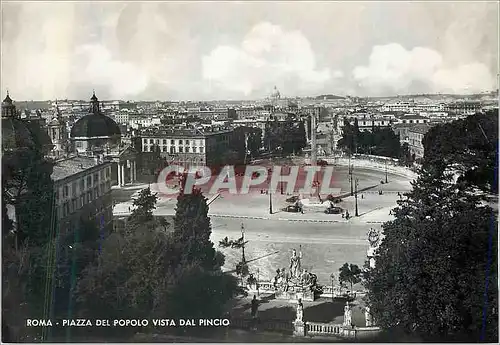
point(16, 134)
point(96, 132)
point(98, 136)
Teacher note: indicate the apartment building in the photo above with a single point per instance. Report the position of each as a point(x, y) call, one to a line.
point(188, 146)
point(416, 134)
point(82, 187)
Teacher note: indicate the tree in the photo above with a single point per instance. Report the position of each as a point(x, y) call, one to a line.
point(145, 204)
point(192, 228)
point(468, 146)
point(431, 276)
point(150, 273)
point(349, 273)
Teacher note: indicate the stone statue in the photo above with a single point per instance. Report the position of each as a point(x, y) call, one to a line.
point(305, 278)
point(373, 237)
point(300, 311)
point(295, 264)
point(281, 280)
point(347, 315)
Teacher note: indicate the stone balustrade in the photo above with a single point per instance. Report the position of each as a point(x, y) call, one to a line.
point(316, 328)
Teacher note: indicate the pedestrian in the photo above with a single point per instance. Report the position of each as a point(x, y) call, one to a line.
point(255, 308)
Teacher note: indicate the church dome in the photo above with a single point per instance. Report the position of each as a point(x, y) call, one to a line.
point(16, 134)
point(95, 125)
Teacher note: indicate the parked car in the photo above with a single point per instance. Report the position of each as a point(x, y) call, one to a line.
point(291, 208)
point(334, 210)
point(293, 199)
point(333, 199)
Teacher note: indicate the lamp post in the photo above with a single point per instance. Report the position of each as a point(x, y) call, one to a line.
point(243, 245)
point(386, 171)
point(356, 197)
point(332, 277)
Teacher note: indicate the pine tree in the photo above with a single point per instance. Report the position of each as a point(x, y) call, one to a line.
point(192, 227)
point(431, 268)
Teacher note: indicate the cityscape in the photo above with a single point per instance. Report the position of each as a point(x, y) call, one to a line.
point(242, 182)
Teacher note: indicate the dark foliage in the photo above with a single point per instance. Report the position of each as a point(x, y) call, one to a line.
point(380, 141)
point(468, 145)
point(285, 137)
point(433, 275)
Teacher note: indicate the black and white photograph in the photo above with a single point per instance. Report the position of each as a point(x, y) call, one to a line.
point(250, 171)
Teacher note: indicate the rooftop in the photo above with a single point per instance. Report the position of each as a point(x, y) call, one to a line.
point(420, 128)
point(71, 166)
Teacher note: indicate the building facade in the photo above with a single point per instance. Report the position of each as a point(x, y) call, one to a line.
point(188, 146)
point(82, 187)
point(415, 136)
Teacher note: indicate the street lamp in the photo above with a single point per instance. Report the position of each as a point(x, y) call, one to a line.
point(332, 277)
point(351, 168)
point(356, 197)
point(243, 245)
point(386, 171)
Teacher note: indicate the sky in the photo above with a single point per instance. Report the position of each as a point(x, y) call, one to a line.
point(241, 50)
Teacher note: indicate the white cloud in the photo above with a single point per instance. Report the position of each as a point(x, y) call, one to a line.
point(268, 55)
point(122, 79)
point(392, 68)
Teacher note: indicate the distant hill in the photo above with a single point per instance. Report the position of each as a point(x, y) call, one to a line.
point(438, 96)
point(321, 97)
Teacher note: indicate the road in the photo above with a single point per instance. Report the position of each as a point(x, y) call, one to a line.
point(325, 246)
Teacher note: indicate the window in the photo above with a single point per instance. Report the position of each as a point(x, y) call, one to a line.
point(65, 191)
point(164, 141)
point(73, 189)
point(89, 181)
point(172, 142)
point(82, 200)
point(187, 149)
point(151, 141)
point(82, 185)
point(181, 149)
point(89, 197)
point(172, 150)
point(195, 149)
point(74, 205)
point(96, 178)
point(96, 192)
point(201, 149)
point(65, 209)
point(187, 142)
point(180, 141)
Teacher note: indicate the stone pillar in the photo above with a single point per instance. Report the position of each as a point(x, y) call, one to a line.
point(122, 173)
point(118, 173)
point(299, 329)
point(313, 139)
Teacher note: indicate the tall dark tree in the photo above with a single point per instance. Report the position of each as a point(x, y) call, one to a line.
point(433, 274)
point(192, 228)
point(350, 273)
point(144, 206)
point(468, 146)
